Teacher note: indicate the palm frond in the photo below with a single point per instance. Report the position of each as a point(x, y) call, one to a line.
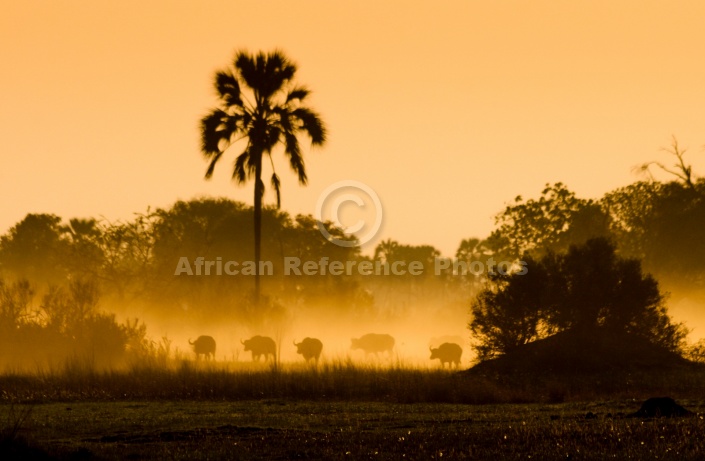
point(241, 170)
point(272, 138)
point(276, 185)
point(299, 93)
point(311, 123)
point(211, 165)
point(235, 124)
point(266, 74)
point(296, 160)
point(254, 156)
point(228, 88)
point(213, 132)
point(279, 70)
point(244, 63)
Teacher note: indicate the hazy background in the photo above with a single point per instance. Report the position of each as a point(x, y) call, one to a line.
point(448, 110)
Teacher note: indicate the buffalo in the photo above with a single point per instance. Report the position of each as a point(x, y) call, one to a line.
point(373, 343)
point(447, 353)
point(260, 345)
point(309, 348)
point(438, 340)
point(203, 345)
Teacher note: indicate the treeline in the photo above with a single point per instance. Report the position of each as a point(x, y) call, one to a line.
point(176, 259)
point(661, 224)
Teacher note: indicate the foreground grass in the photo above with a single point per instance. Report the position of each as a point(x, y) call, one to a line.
point(343, 381)
point(343, 410)
point(283, 429)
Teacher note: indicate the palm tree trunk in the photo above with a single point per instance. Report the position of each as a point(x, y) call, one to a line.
point(258, 228)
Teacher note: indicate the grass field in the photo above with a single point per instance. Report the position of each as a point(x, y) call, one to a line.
point(342, 411)
point(282, 429)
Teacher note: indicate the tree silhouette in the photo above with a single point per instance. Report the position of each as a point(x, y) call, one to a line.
point(271, 113)
point(662, 224)
point(589, 288)
point(35, 249)
point(682, 171)
point(553, 222)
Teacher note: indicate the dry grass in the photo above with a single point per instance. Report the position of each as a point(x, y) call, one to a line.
point(342, 380)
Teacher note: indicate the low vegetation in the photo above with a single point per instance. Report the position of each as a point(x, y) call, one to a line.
point(347, 380)
point(285, 429)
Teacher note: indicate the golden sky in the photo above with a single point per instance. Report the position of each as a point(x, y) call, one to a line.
point(447, 109)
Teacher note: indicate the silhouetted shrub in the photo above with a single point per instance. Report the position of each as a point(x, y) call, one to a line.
point(585, 289)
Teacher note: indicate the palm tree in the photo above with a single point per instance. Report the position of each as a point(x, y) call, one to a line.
point(269, 113)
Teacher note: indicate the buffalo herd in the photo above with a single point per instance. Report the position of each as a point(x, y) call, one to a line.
point(311, 348)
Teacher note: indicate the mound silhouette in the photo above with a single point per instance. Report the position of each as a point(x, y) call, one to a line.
point(595, 352)
point(657, 407)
